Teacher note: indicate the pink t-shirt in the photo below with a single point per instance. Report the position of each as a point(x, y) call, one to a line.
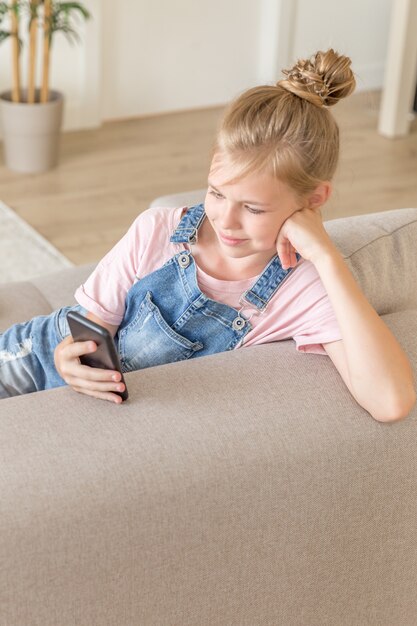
point(300, 309)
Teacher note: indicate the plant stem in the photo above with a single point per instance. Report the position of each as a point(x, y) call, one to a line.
point(15, 51)
point(46, 44)
point(32, 50)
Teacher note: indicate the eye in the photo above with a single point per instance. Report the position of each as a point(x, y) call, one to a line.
point(216, 194)
point(254, 211)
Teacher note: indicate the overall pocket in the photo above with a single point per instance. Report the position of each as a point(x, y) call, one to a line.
point(149, 340)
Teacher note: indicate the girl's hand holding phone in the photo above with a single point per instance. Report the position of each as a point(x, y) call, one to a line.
point(92, 381)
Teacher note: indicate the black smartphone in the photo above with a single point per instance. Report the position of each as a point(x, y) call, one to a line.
point(105, 357)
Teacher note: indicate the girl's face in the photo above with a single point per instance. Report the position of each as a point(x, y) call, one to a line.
point(247, 214)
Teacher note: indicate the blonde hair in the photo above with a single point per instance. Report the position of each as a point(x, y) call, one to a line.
point(287, 128)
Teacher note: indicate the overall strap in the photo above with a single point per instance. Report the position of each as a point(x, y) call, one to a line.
point(187, 229)
point(267, 284)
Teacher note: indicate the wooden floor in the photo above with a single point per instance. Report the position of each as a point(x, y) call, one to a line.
point(107, 176)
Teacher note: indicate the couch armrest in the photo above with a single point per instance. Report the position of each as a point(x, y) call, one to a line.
point(23, 300)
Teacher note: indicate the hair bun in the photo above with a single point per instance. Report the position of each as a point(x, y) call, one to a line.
point(323, 79)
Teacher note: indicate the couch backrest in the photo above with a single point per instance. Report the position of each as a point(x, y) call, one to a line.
point(381, 251)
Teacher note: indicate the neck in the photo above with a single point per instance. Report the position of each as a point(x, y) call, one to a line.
point(210, 257)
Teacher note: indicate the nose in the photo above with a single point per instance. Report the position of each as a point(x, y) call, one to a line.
point(229, 220)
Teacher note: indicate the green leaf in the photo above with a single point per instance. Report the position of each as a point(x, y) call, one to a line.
point(3, 35)
point(71, 7)
point(62, 19)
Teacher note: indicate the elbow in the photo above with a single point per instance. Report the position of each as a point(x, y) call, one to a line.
point(398, 410)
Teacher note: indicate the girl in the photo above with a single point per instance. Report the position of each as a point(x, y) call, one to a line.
point(254, 264)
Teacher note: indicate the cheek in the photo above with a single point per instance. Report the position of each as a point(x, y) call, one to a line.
point(267, 232)
point(210, 207)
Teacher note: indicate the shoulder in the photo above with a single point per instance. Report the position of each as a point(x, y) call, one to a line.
point(158, 218)
point(153, 229)
point(149, 230)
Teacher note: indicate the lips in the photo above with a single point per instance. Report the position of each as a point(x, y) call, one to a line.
point(231, 241)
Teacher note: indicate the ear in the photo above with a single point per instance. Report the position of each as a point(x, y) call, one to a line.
point(320, 195)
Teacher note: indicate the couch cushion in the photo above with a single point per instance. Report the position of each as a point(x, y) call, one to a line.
point(59, 288)
point(381, 251)
point(20, 301)
point(187, 198)
point(23, 300)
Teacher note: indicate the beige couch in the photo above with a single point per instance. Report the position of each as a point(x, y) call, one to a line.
point(245, 488)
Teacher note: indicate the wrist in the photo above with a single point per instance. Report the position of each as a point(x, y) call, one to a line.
point(327, 254)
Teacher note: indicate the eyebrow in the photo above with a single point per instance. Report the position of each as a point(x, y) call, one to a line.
point(243, 201)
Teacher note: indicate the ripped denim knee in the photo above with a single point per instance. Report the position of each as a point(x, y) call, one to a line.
point(27, 354)
point(18, 367)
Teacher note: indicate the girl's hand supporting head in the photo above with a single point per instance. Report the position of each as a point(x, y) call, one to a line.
point(91, 381)
point(303, 231)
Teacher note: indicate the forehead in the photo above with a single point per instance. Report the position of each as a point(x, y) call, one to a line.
point(253, 184)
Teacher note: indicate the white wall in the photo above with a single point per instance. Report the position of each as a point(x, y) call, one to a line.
point(358, 28)
point(139, 57)
point(178, 54)
point(165, 55)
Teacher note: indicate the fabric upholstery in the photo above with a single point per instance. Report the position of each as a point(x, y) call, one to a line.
point(381, 251)
point(242, 488)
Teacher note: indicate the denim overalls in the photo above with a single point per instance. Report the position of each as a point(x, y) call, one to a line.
point(167, 319)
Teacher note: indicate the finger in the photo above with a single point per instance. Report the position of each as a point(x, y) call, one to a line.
point(79, 348)
point(94, 385)
point(75, 371)
point(287, 263)
point(85, 372)
point(282, 250)
point(293, 257)
point(110, 397)
point(287, 255)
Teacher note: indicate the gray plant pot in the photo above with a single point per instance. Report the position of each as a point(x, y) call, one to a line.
point(31, 132)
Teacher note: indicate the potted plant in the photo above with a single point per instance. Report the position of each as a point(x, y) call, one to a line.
point(31, 116)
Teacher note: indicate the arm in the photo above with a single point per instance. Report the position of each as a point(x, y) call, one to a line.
point(89, 380)
point(105, 288)
point(370, 360)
